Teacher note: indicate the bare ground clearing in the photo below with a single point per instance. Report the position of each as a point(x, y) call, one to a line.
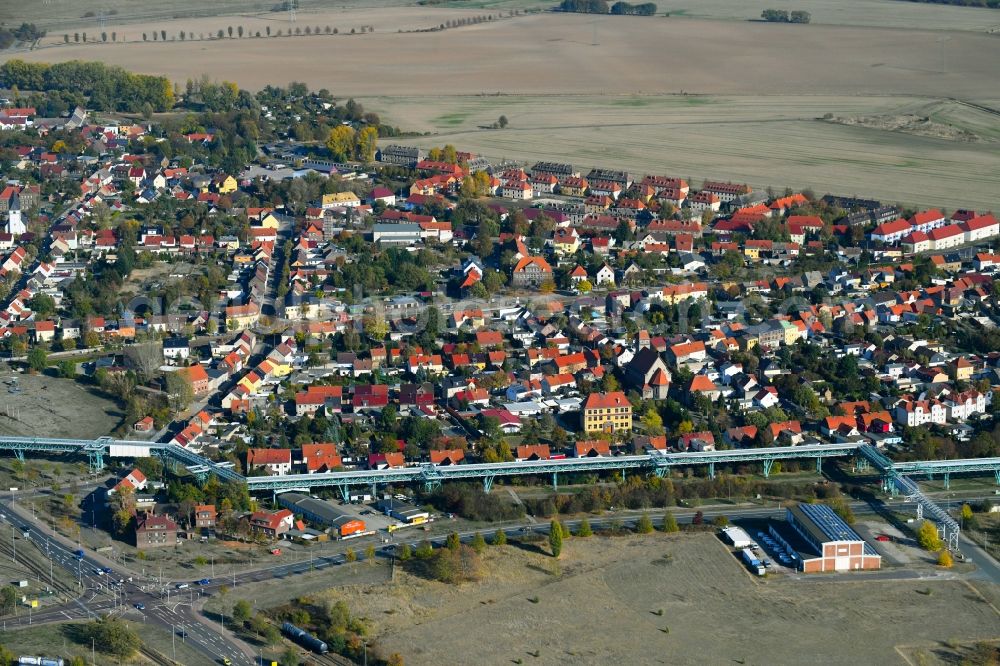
point(52, 407)
point(533, 605)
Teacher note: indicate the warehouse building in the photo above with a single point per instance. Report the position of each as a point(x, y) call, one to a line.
point(403, 511)
point(321, 512)
point(738, 537)
point(829, 544)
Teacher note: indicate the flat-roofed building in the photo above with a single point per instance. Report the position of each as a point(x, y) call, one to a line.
point(831, 544)
point(322, 512)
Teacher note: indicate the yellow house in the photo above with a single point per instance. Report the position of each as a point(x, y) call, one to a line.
point(607, 412)
point(348, 199)
point(279, 368)
point(269, 221)
point(961, 369)
point(242, 316)
point(791, 332)
point(251, 382)
point(565, 242)
point(226, 185)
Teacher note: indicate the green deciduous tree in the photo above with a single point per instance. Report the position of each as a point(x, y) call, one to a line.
point(424, 550)
point(242, 611)
point(114, 636)
point(8, 597)
point(38, 359)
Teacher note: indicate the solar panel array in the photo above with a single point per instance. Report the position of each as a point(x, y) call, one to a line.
point(829, 522)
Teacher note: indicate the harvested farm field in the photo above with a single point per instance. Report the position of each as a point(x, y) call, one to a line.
point(777, 141)
point(727, 99)
point(542, 54)
point(663, 599)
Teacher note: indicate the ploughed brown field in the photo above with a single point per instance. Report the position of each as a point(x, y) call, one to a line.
point(687, 97)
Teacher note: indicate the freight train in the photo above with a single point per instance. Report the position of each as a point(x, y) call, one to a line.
point(304, 638)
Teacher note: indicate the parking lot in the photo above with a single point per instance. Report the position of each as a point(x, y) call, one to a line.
point(373, 518)
point(775, 556)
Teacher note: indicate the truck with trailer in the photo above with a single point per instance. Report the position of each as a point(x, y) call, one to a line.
point(753, 564)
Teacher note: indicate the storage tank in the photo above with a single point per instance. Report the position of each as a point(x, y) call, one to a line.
point(304, 638)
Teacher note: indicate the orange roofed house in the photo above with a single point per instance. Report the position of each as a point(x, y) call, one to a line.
point(274, 461)
point(271, 524)
point(607, 412)
point(531, 271)
point(197, 376)
point(320, 457)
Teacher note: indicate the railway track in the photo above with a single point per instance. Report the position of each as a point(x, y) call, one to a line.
point(329, 659)
point(41, 572)
point(157, 658)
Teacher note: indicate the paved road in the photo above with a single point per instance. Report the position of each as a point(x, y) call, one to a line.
point(173, 605)
point(108, 587)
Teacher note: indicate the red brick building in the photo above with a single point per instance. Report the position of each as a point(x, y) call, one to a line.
point(832, 544)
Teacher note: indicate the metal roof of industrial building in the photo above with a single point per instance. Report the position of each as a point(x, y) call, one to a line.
point(823, 524)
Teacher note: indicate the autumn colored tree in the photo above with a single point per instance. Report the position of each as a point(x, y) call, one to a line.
point(366, 143)
point(644, 524)
point(927, 536)
point(670, 523)
point(341, 142)
point(555, 538)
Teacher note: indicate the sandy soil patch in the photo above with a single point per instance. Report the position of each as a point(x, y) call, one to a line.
point(601, 604)
point(911, 124)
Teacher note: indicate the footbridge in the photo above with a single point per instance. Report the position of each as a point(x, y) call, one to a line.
point(945, 468)
point(894, 481)
point(895, 476)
